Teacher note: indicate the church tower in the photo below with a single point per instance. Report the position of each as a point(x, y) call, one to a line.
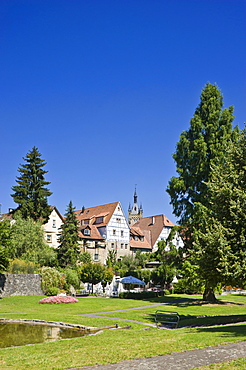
point(135, 212)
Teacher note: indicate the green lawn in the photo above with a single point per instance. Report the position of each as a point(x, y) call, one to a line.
point(121, 344)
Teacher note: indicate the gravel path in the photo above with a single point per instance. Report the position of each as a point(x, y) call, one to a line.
point(179, 360)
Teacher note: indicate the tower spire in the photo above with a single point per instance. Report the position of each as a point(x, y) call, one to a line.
point(135, 212)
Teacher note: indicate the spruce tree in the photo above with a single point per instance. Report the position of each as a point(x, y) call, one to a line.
point(200, 147)
point(68, 250)
point(31, 193)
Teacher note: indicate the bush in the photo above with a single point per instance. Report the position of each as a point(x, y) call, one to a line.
point(50, 278)
point(72, 278)
point(52, 291)
point(18, 266)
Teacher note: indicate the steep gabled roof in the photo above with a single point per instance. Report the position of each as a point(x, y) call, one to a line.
point(59, 214)
point(154, 225)
point(106, 211)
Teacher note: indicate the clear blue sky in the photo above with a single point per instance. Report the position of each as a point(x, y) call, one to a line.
point(104, 88)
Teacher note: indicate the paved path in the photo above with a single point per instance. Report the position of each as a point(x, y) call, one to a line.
point(101, 314)
point(178, 360)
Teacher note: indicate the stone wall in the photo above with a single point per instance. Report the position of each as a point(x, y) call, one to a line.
point(20, 284)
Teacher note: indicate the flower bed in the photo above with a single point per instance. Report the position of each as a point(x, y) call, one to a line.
point(58, 299)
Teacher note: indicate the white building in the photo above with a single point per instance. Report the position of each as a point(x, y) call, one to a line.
point(104, 228)
point(52, 228)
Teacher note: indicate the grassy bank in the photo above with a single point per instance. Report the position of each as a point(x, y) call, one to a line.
point(121, 344)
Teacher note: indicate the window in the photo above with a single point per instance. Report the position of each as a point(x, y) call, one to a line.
point(122, 233)
point(99, 220)
point(85, 222)
point(135, 237)
point(87, 232)
point(122, 246)
point(112, 245)
point(49, 238)
point(96, 257)
point(114, 232)
point(141, 238)
point(54, 223)
point(126, 246)
point(118, 219)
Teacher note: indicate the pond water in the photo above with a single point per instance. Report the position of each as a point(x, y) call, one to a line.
point(21, 334)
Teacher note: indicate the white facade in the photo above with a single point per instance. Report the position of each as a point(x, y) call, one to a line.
point(118, 233)
point(52, 228)
point(177, 240)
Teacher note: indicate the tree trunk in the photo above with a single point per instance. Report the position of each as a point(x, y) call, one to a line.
point(209, 296)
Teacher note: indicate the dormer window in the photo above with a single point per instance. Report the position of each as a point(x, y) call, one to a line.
point(85, 222)
point(87, 232)
point(99, 220)
point(141, 238)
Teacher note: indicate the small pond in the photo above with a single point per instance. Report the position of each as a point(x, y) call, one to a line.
point(21, 333)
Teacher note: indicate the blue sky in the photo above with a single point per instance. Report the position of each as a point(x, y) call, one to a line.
point(104, 88)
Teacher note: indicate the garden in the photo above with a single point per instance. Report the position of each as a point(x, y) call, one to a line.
point(201, 325)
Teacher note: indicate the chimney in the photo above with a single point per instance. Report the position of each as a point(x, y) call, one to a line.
point(153, 220)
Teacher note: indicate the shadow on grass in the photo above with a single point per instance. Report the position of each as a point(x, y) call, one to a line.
point(228, 331)
point(206, 321)
point(186, 301)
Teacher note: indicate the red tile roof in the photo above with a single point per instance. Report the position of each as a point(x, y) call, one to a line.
point(106, 211)
point(152, 227)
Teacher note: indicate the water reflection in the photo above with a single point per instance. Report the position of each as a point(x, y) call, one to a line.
point(20, 334)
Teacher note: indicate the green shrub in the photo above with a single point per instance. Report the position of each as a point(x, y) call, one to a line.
point(52, 291)
point(72, 278)
point(50, 278)
point(18, 266)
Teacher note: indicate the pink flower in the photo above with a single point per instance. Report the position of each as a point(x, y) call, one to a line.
point(58, 299)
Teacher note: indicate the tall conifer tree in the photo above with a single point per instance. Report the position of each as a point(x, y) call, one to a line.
point(203, 145)
point(68, 250)
point(199, 150)
point(31, 193)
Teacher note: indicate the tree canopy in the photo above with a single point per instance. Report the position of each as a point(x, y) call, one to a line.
point(31, 193)
point(27, 242)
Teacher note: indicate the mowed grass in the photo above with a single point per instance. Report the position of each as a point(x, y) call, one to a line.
point(239, 364)
point(109, 346)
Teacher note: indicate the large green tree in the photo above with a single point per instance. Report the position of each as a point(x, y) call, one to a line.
point(93, 273)
point(27, 242)
point(220, 240)
point(201, 149)
point(201, 146)
point(31, 193)
point(68, 250)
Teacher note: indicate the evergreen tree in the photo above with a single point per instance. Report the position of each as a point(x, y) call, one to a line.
point(68, 250)
point(203, 145)
point(31, 193)
point(220, 240)
point(199, 150)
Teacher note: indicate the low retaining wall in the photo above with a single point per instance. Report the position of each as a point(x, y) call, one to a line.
point(20, 284)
